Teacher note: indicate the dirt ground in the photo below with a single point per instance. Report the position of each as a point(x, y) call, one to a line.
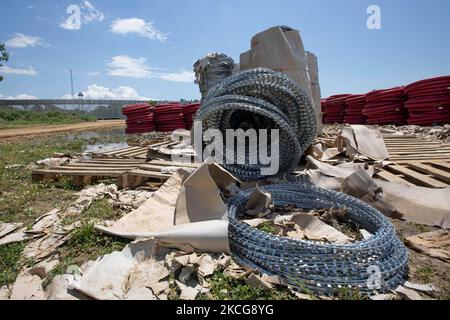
point(22, 200)
point(45, 130)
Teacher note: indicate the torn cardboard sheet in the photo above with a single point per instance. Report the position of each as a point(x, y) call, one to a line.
point(432, 243)
point(330, 177)
point(199, 198)
point(364, 143)
point(27, 287)
point(18, 236)
point(361, 186)
point(422, 205)
point(155, 215)
point(408, 293)
point(316, 229)
point(59, 289)
point(420, 287)
point(6, 228)
point(173, 215)
point(53, 162)
point(88, 195)
point(112, 277)
point(259, 203)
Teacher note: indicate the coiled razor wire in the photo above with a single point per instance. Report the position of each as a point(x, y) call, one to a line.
point(261, 99)
point(321, 267)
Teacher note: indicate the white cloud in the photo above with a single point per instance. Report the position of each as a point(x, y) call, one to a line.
point(89, 13)
point(18, 97)
point(21, 40)
point(99, 92)
point(182, 76)
point(125, 66)
point(93, 73)
point(18, 71)
point(139, 27)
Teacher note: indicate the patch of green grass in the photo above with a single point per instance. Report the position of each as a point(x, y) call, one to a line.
point(268, 227)
point(22, 200)
point(92, 244)
point(425, 274)
point(350, 294)
point(9, 262)
point(224, 287)
point(99, 210)
point(11, 118)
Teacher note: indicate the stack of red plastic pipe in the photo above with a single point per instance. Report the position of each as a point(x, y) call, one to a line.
point(429, 101)
point(386, 107)
point(189, 112)
point(139, 118)
point(334, 108)
point(355, 106)
point(169, 117)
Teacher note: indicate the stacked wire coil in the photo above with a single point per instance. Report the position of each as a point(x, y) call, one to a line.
point(323, 268)
point(261, 99)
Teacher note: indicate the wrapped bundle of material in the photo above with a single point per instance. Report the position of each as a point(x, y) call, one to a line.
point(334, 109)
point(189, 112)
point(260, 99)
point(355, 106)
point(313, 72)
point(429, 101)
point(281, 49)
point(140, 118)
point(169, 117)
point(211, 70)
point(386, 107)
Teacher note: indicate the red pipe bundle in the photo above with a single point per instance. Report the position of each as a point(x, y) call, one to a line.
point(189, 112)
point(139, 118)
point(386, 107)
point(355, 106)
point(334, 109)
point(169, 117)
point(429, 101)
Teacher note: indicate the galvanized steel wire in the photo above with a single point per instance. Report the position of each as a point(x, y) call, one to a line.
point(261, 99)
point(323, 268)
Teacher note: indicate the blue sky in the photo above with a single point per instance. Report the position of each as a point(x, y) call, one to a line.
point(146, 48)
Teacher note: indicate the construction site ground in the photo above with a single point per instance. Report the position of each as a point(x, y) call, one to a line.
point(23, 200)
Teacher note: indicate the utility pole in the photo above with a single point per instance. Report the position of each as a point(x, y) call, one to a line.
point(71, 83)
point(71, 86)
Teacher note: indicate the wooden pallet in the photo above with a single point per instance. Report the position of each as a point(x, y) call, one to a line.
point(87, 171)
point(411, 148)
point(132, 152)
point(153, 170)
point(429, 173)
point(129, 172)
point(125, 153)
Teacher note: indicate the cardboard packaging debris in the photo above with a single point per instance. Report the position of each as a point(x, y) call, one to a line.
point(173, 215)
point(432, 243)
point(281, 49)
point(422, 205)
point(363, 143)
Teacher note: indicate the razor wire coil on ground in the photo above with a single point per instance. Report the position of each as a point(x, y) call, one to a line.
point(261, 99)
point(320, 267)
